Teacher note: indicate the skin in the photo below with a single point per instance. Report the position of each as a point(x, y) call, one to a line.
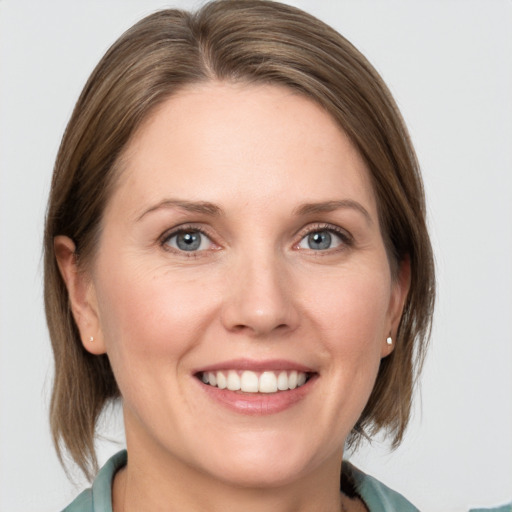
point(254, 290)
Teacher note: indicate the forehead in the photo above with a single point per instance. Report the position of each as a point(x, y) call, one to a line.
point(224, 142)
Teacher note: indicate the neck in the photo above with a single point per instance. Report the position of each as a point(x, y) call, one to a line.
point(170, 485)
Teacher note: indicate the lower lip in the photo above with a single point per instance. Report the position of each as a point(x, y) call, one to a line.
point(258, 404)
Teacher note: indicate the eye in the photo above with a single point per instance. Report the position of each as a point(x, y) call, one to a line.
point(322, 240)
point(190, 240)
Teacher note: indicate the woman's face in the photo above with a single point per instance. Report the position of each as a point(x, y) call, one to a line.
point(242, 247)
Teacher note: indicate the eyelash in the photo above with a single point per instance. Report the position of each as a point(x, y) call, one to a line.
point(345, 237)
point(187, 228)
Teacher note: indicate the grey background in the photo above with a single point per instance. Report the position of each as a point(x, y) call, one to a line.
point(449, 65)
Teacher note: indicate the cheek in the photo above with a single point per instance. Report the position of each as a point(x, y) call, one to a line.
point(348, 314)
point(153, 317)
point(351, 316)
point(353, 310)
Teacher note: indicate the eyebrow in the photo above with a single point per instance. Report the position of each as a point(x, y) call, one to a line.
point(330, 206)
point(207, 208)
point(203, 207)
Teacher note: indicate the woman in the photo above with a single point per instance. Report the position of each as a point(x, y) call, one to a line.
point(236, 246)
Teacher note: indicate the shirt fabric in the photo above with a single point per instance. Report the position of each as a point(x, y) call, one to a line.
point(376, 496)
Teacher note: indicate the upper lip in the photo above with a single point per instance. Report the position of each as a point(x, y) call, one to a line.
point(256, 366)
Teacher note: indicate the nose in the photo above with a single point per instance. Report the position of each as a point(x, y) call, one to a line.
point(259, 297)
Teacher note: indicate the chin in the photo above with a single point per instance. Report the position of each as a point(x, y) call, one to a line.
point(269, 463)
point(267, 474)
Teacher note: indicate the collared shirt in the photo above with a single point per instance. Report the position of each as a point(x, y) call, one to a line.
point(376, 496)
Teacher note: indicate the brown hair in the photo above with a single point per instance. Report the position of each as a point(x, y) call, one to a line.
point(249, 41)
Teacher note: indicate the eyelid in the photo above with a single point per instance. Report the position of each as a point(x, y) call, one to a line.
point(343, 234)
point(185, 228)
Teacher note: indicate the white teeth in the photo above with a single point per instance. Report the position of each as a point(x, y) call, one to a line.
point(268, 382)
point(250, 382)
point(282, 381)
point(292, 380)
point(233, 381)
point(222, 383)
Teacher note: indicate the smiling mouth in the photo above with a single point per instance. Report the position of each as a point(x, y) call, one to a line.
point(255, 382)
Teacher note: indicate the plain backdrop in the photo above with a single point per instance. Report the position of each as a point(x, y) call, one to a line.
point(449, 65)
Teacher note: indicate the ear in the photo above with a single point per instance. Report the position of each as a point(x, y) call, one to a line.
point(82, 295)
point(400, 290)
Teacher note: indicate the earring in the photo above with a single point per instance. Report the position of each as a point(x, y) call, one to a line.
point(389, 340)
point(91, 339)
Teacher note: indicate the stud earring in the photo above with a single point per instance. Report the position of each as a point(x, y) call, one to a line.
point(389, 340)
point(91, 339)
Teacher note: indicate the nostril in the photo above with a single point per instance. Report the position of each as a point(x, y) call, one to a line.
point(252, 311)
point(258, 330)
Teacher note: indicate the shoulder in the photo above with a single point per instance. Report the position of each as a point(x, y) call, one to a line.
point(82, 503)
point(98, 498)
point(503, 508)
point(377, 496)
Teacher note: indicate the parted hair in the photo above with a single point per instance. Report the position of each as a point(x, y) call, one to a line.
point(243, 41)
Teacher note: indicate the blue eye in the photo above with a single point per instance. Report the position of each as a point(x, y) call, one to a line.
point(321, 240)
point(189, 241)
